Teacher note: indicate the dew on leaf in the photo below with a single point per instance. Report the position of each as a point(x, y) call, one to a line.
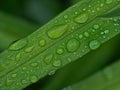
point(33, 79)
point(24, 81)
point(72, 45)
point(60, 51)
point(18, 45)
point(82, 18)
point(52, 72)
point(109, 1)
point(96, 26)
point(42, 43)
point(86, 34)
point(80, 36)
point(94, 44)
point(57, 31)
point(48, 59)
point(34, 64)
point(14, 75)
point(18, 56)
point(29, 49)
point(57, 63)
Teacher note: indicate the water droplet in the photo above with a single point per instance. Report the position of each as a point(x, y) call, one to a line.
point(66, 16)
point(57, 31)
point(33, 79)
point(18, 57)
point(24, 81)
point(48, 59)
point(72, 45)
point(60, 51)
point(106, 31)
point(42, 43)
point(109, 1)
point(80, 36)
point(14, 75)
point(82, 18)
point(94, 44)
point(86, 34)
point(57, 63)
point(24, 68)
point(52, 72)
point(96, 26)
point(34, 64)
point(108, 73)
point(18, 45)
point(29, 49)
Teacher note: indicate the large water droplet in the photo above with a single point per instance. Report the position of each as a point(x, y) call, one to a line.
point(57, 31)
point(82, 18)
point(94, 44)
point(48, 58)
point(57, 63)
point(72, 45)
point(42, 43)
point(33, 79)
point(29, 49)
point(60, 51)
point(109, 1)
point(80, 36)
point(18, 45)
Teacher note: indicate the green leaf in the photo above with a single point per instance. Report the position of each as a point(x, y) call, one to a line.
point(106, 79)
point(25, 61)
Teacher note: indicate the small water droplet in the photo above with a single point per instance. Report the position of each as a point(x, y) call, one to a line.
point(34, 64)
point(18, 45)
point(86, 34)
point(18, 56)
point(24, 68)
point(80, 36)
point(42, 43)
point(108, 73)
point(72, 45)
point(96, 26)
point(109, 1)
point(57, 31)
point(29, 49)
point(48, 58)
point(106, 31)
point(33, 79)
point(82, 18)
point(60, 51)
point(66, 16)
point(24, 81)
point(14, 75)
point(57, 63)
point(94, 44)
point(52, 72)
